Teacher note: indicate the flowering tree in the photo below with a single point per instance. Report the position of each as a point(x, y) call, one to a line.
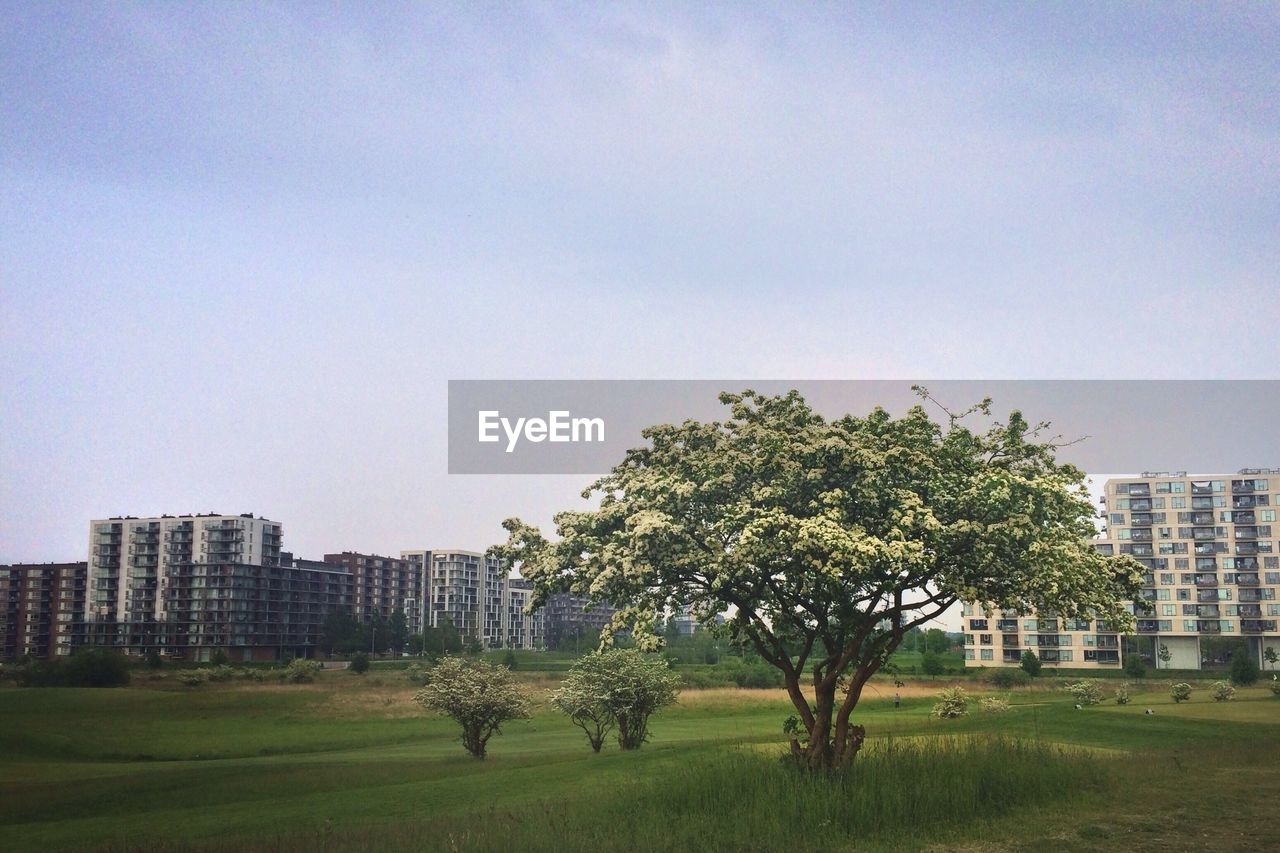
point(616, 688)
point(477, 694)
point(826, 541)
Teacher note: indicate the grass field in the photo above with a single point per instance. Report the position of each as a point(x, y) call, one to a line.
point(350, 763)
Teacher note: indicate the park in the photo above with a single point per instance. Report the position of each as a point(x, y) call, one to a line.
point(349, 761)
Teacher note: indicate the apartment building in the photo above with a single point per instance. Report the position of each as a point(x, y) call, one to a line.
point(189, 585)
point(471, 592)
point(1211, 548)
point(41, 609)
point(383, 585)
point(523, 629)
point(569, 618)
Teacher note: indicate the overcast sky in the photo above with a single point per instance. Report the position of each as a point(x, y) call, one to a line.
point(243, 247)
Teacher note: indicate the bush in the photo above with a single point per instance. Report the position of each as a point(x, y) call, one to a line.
point(220, 673)
point(1223, 691)
point(1009, 677)
point(219, 658)
point(1122, 694)
point(301, 671)
point(1275, 686)
point(191, 678)
point(1180, 692)
point(1031, 664)
point(1244, 671)
point(154, 660)
point(85, 668)
point(616, 689)
point(359, 663)
point(953, 702)
point(477, 695)
point(415, 674)
point(992, 705)
point(1133, 666)
point(1086, 692)
point(509, 660)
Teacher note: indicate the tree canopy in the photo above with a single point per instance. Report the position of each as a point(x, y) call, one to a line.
point(825, 541)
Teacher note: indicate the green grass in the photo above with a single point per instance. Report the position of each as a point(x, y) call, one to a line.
point(350, 763)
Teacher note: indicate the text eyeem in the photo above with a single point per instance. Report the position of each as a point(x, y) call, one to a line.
point(559, 426)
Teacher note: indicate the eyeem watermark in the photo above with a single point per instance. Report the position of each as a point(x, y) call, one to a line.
point(559, 426)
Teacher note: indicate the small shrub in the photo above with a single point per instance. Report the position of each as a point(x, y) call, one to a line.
point(1086, 692)
point(1031, 664)
point(1180, 692)
point(1275, 686)
point(154, 660)
point(220, 673)
point(1009, 677)
point(952, 703)
point(931, 663)
point(219, 658)
point(85, 668)
point(1223, 691)
point(191, 678)
point(301, 671)
point(1244, 671)
point(992, 705)
point(509, 661)
point(1134, 667)
point(359, 663)
point(1122, 694)
point(415, 674)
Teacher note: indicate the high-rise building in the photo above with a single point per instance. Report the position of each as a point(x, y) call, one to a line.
point(570, 619)
point(190, 585)
point(383, 585)
point(467, 589)
point(41, 609)
point(1210, 545)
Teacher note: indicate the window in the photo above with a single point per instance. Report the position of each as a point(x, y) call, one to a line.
point(1065, 655)
point(1157, 503)
point(968, 639)
point(1162, 595)
point(1122, 532)
point(1177, 503)
point(968, 654)
point(1266, 515)
point(1122, 503)
point(986, 654)
point(1029, 625)
point(1168, 610)
point(1117, 518)
point(984, 640)
point(1166, 532)
point(1166, 577)
point(1184, 595)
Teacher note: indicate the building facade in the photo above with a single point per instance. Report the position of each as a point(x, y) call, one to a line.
point(1210, 545)
point(383, 585)
point(571, 618)
point(471, 592)
point(41, 609)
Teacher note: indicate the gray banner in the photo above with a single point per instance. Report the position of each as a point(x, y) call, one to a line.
point(585, 426)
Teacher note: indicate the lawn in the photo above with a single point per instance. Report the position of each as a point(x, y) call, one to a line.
point(351, 763)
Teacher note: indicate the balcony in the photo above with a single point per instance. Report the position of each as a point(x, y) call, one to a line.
point(1140, 519)
point(1248, 501)
point(1243, 487)
point(1247, 579)
point(1106, 642)
point(1006, 624)
point(1148, 626)
point(1140, 534)
point(1139, 490)
point(1250, 596)
point(1011, 656)
point(1245, 516)
point(1204, 580)
point(1248, 549)
point(1208, 611)
point(1258, 626)
point(1250, 610)
point(1209, 627)
point(1140, 505)
point(1011, 640)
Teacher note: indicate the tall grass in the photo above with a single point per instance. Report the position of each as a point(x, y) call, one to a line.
point(898, 794)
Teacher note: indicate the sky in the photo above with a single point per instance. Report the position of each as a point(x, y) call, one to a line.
point(243, 247)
